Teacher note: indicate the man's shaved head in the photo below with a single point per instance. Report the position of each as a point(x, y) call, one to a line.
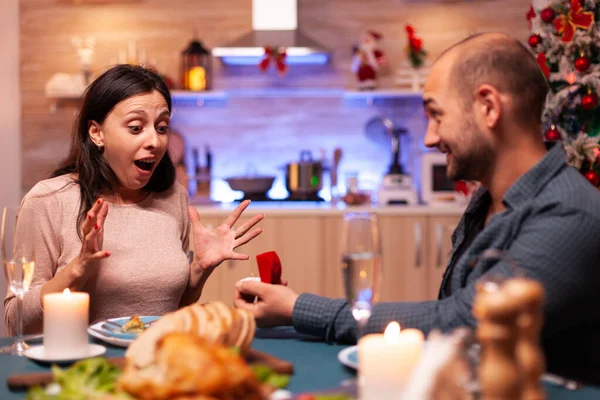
point(502, 62)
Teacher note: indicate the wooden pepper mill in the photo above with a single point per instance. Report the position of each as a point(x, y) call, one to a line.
point(530, 295)
point(509, 325)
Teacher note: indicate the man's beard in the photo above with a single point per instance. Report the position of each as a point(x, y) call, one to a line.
point(474, 162)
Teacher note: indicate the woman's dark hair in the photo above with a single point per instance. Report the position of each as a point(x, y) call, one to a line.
point(94, 175)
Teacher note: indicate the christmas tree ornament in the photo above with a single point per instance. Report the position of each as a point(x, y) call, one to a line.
point(548, 14)
point(593, 177)
point(530, 15)
point(543, 63)
point(589, 101)
point(552, 134)
point(566, 24)
point(534, 40)
point(582, 63)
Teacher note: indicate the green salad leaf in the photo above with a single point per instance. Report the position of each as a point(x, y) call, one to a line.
point(89, 379)
point(269, 377)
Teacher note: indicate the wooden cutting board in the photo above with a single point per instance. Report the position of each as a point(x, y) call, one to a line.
point(26, 381)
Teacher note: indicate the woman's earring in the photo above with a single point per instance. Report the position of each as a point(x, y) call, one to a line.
point(100, 148)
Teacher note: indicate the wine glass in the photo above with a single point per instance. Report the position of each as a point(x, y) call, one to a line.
point(16, 234)
point(361, 264)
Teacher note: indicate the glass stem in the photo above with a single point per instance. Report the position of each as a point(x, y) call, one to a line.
point(19, 343)
point(361, 327)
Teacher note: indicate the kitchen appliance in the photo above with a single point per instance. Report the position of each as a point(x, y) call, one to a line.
point(274, 24)
point(304, 178)
point(396, 186)
point(436, 187)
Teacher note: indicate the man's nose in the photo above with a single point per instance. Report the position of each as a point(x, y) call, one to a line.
point(432, 139)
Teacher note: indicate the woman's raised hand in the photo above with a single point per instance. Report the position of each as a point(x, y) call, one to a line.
point(213, 246)
point(92, 232)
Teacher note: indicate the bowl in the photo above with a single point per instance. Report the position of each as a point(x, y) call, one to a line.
point(255, 184)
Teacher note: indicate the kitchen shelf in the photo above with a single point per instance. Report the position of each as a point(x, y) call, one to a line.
point(354, 96)
point(220, 97)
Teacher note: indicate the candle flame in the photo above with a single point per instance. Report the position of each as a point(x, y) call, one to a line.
point(67, 292)
point(392, 332)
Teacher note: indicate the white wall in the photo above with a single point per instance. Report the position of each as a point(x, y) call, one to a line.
point(10, 115)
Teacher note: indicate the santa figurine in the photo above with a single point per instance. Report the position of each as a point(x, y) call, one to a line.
point(367, 59)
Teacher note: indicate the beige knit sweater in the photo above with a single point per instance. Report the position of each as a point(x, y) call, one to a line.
point(147, 271)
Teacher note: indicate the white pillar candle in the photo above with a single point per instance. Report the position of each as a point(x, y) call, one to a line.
point(386, 361)
point(66, 317)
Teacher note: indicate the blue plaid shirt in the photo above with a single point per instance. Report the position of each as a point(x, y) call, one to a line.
point(550, 228)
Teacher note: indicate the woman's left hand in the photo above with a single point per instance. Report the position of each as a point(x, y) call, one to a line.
point(213, 246)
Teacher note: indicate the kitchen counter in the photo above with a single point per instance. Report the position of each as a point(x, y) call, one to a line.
point(289, 208)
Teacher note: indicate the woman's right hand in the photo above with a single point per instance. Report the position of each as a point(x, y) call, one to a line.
point(92, 232)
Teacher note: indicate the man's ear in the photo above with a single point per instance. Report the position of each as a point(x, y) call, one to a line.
point(488, 105)
point(96, 134)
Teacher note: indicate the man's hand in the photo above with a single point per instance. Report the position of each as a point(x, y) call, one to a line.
point(275, 303)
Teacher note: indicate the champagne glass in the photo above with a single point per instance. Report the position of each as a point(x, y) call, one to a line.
point(361, 264)
point(18, 258)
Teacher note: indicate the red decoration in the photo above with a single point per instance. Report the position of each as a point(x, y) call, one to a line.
point(592, 177)
point(415, 47)
point(566, 24)
point(582, 63)
point(530, 15)
point(367, 59)
point(589, 101)
point(552, 134)
point(534, 40)
point(548, 14)
point(275, 55)
point(543, 63)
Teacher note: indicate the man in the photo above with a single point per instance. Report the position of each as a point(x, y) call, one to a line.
point(484, 98)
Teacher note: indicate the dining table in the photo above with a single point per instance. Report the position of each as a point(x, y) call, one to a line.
point(316, 365)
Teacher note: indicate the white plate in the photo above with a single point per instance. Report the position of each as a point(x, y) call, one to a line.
point(349, 357)
point(120, 340)
point(37, 353)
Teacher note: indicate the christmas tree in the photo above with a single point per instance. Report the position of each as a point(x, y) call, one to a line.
point(566, 40)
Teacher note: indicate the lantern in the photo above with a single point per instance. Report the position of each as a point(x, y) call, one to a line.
point(196, 67)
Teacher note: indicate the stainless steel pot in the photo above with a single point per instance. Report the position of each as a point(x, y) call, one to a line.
point(304, 177)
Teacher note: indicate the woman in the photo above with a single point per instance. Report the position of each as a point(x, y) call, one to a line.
point(112, 221)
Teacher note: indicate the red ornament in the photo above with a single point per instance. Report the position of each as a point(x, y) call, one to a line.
point(534, 40)
point(552, 134)
point(543, 63)
point(589, 101)
point(275, 55)
point(530, 15)
point(582, 63)
point(548, 14)
point(592, 177)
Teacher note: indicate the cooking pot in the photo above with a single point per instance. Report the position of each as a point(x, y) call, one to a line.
point(304, 177)
point(251, 185)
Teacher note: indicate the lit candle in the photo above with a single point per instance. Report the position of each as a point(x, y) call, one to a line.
point(386, 361)
point(65, 324)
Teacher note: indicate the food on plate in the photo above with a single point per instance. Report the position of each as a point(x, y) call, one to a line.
point(188, 365)
point(134, 325)
point(186, 368)
point(214, 322)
